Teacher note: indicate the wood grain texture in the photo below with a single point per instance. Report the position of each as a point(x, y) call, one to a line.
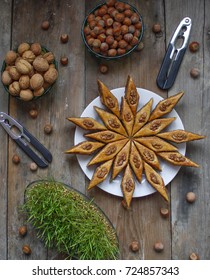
point(188, 227)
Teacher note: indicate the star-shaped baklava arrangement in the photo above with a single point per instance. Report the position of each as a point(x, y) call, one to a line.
point(131, 141)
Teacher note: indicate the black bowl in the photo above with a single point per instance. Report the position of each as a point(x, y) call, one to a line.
point(100, 55)
point(47, 90)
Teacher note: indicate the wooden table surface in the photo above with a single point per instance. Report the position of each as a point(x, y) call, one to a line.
point(187, 229)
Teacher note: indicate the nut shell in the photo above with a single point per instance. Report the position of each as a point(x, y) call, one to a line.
point(6, 78)
point(23, 66)
point(40, 64)
point(23, 47)
point(51, 75)
point(14, 88)
point(29, 56)
point(11, 57)
point(36, 48)
point(24, 81)
point(26, 94)
point(36, 81)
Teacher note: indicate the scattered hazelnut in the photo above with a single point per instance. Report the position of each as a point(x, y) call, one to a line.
point(158, 246)
point(103, 68)
point(194, 256)
point(33, 113)
point(156, 28)
point(48, 128)
point(64, 60)
point(64, 38)
point(26, 249)
point(22, 231)
point(194, 73)
point(134, 246)
point(45, 25)
point(190, 197)
point(194, 46)
point(33, 166)
point(164, 212)
point(16, 159)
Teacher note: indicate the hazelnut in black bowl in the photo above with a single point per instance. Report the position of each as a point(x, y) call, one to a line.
point(29, 72)
point(112, 30)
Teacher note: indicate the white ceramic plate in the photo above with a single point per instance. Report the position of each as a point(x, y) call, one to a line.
point(168, 171)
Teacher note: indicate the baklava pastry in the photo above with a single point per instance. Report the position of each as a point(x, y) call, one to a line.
point(85, 148)
point(176, 158)
point(148, 155)
point(100, 174)
point(180, 136)
point(131, 95)
point(142, 116)
point(156, 144)
point(111, 121)
point(128, 185)
point(108, 152)
point(105, 136)
point(108, 99)
point(165, 106)
point(121, 160)
point(136, 162)
point(127, 117)
point(154, 127)
point(87, 123)
point(156, 181)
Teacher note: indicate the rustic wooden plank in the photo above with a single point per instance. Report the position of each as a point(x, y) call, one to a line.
point(65, 99)
point(142, 66)
point(190, 229)
point(5, 30)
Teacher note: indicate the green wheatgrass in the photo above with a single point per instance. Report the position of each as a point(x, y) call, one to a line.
point(65, 220)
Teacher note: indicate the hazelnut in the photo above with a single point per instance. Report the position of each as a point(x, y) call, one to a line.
point(140, 46)
point(158, 247)
point(51, 75)
point(23, 66)
point(33, 166)
point(156, 28)
point(22, 231)
point(134, 246)
point(40, 64)
point(29, 56)
point(64, 60)
point(194, 256)
point(14, 88)
point(6, 78)
point(121, 51)
point(64, 38)
point(36, 48)
point(104, 46)
point(33, 113)
point(23, 47)
point(190, 197)
point(194, 73)
point(194, 46)
point(10, 57)
point(26, 249)
point(164, 212)
point(36, 81)
point(16, 159)
point(128, 37)
point(48, 128)
point(45, 25)
point(110, 3)
point(112, 52)
point(24, 81)
point(103, 68)
point(26, 94)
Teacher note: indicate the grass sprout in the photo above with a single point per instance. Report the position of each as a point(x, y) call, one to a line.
point(66, 220)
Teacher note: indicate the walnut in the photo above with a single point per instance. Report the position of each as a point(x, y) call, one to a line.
point(88, 123)
point(40, 64)
point(51, 75)
point(49, 56)
point(14, 88)
point(87, 146)
point(23, 47)
point(148, 155)
point(6, 78)
point(36, 81)
point(26, 94)
point(113, 123)
point(39, 91)
point(110, 102)
point(129, 185)
point(24, 81)
point(14, 74)
point(23, 66)
point(102, 172)
point(154, 178)
point(107, 136)
point(142, 117)
point(11, 57)
point(29, 56)
point(111, 150)
point(36, 48)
